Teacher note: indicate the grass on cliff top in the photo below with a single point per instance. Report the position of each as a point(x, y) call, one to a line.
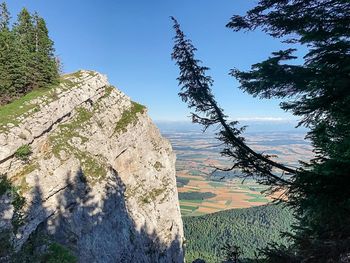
point(9, 113)
point(79, 74)
point(129, 117)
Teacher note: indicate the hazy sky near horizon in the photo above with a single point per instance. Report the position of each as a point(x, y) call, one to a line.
point(131, 42)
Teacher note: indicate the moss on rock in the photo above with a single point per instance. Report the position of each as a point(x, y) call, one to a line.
point(129, 117)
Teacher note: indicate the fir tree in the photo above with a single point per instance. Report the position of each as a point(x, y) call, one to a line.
point(4, 17)
point(11, 80)
point(27, 59)
point(46, 71)
point(5, 43)
point(24, 34)
point(317, 91)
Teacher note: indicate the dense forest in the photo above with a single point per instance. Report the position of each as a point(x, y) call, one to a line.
point(27, 59)
point(249, 228)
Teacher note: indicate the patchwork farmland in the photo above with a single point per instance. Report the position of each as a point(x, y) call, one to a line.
point(201, 191)
point(226, 195)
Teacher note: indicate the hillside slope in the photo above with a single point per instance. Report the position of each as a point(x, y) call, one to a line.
point(248, 228)
point(88, 177)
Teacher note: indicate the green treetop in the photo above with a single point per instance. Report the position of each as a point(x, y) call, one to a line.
point(44, 59)
point(24, 33)
point(27, 59)
point(4, 17)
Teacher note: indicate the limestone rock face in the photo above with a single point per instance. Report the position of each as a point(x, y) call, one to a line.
point(95, 175)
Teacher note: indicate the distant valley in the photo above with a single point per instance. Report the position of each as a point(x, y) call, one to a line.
point(221, 208)
point(201, 191)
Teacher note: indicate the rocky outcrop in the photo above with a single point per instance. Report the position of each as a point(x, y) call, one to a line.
point(89, 172)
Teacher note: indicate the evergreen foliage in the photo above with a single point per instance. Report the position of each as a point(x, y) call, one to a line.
point(4, 17)
point(211, 237)
point(27, 59)
point(318, 92)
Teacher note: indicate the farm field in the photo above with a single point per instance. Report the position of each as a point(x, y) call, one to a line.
point(203, 192)
point(228, 195)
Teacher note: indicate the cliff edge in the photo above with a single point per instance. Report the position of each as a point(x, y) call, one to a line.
point(86, 175)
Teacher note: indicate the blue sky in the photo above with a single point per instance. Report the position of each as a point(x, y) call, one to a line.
point(131, 42)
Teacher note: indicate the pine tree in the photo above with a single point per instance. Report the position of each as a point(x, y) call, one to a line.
point(5, 42)
point(317, 91)
point(4, 17)
point(24, 34)
point(46, 71)
point(27, 59)
point(10, 69)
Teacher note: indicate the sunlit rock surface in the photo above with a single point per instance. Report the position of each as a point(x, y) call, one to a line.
point(99, 181)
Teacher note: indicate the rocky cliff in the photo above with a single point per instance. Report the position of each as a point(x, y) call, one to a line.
point(86, 176)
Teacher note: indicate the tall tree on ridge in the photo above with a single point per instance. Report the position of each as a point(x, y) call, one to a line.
point(11, 71)
point(5, 42)
point(27, 59)
point(24, 34)
point(45, 66)
point(318, 91)
point(4, 17)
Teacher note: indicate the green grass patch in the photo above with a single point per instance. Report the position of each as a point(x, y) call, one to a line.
point(92, 168)
point(74, 79)
point(128, 117)
point(187, 207)
point(257, 198)
point(60, 141)
point(9, 113)
point(23, 152)
point(77, 74)
point(24, 107)
point(107, 93)
point(152, 195)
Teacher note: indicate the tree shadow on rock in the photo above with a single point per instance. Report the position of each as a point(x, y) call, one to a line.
point(93, 224)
